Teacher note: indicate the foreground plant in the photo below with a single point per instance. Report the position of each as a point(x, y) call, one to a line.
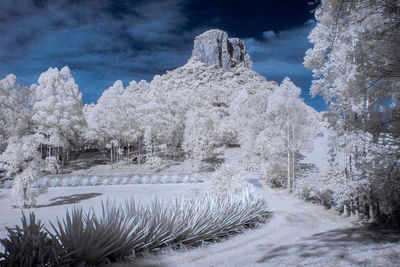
point(30, 245)
point(131, 230)
point(94, 240)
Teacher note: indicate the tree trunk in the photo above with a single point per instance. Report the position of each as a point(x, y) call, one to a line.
point(288, 148)
point(127, 155)
point(345, 210)
point(371, 209)
point(357, 212)
point(139, 153)
point(111, 155)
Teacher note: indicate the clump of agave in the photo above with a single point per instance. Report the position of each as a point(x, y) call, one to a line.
point(128, 229)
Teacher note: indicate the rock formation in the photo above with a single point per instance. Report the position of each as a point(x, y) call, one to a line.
point(213, 47)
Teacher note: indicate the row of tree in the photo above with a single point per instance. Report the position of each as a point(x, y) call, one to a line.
point(187, 112)
point(356, 66)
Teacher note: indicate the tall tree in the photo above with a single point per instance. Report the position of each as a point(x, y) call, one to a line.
point(57, 111)
point(356, 66)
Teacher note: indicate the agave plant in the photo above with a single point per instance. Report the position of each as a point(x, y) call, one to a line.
point(30, 245)
point(120, 231)
point(94, 240)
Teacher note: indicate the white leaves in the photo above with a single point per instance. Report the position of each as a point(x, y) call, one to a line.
point(58, 107)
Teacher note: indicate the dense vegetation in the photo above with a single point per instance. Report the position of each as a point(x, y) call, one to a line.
point(194, 109)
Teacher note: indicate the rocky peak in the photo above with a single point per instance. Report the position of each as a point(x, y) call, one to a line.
point(213, 47)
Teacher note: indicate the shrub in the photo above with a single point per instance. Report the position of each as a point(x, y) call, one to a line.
point(94, 180)
point(174, 179)
point(65, 182)
point(154, 161)
point(185, 179)
point(105, 181)
point(115, 181)
point(227, 178)
point(29, 245)
point(135, 179)
point(145, 179)
point(165, 179)
point(55, 182)
point(85, 182)
point(74, 181)
point(125, 180)
point(8, 184)
point(155, 179)
point(44, 182)
point(41, 183)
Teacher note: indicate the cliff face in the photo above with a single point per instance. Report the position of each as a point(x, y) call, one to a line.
point(213, 47)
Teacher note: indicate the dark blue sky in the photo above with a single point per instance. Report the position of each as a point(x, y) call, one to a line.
point(104, 41)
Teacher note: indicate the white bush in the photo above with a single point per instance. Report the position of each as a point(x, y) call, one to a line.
point(52, 164)
point(125, 180)
point(8, 184)
point(44, 182)
point(115, 181)
point(74, 181)
point(105, 181)
point(85, 182)
point(94, 180)
point(228, 178)
point(136, 179)
point(65, 182)
point(145, 179)
point(154, 161)
point(155, 179)
point(185, 179)
point(164, 179)
point(174, 179)
point(55, 182)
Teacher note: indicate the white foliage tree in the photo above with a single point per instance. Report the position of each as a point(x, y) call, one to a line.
point(200, 136)
point(24, 163)
point(356, 66)
point(15, 113)
point(289, 132)
point(57, 111)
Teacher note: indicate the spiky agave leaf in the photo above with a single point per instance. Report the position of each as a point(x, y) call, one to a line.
point(93, 240)
point(30, 245)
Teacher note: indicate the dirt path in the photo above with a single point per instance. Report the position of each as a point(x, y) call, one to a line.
point(289, 235)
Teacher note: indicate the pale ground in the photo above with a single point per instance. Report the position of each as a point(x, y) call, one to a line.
point(297, 234)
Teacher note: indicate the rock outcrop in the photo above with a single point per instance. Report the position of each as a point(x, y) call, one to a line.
point(213, 47)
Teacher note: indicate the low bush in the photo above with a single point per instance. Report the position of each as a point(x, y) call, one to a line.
point(85, 182)
point(75, 181)
point(55, 182)
point(94, 180)
point(8, 184)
